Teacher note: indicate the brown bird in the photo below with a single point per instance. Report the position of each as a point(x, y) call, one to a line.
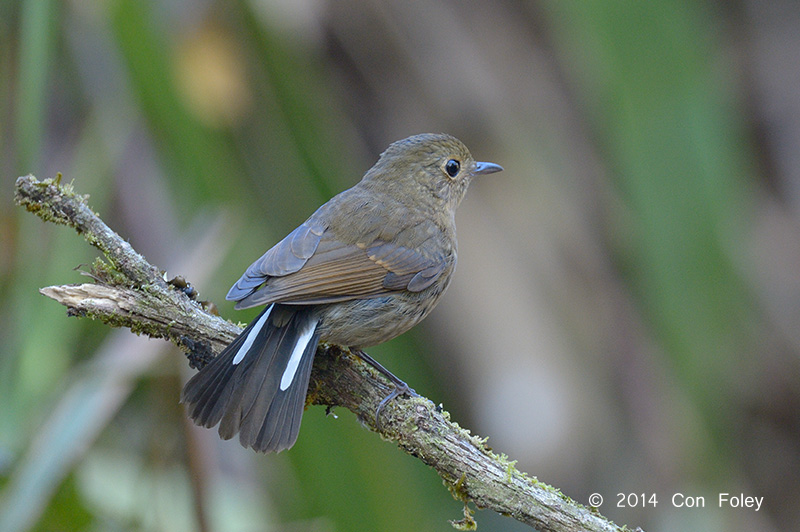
point(365, 267)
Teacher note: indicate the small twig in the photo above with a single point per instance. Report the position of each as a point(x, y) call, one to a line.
point(133, 293)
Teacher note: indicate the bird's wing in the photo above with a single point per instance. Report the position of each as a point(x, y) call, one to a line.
point(284, 258)
point(310, 266)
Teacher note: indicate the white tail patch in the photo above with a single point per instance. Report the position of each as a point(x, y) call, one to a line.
point(251, 337)
point(297, 354)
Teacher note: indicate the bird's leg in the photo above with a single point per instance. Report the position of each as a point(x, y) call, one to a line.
point(400, 387)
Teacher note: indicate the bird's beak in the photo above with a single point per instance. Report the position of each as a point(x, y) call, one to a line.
point(486, 168)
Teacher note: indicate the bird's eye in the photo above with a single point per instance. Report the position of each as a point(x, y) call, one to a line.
point(452, 167)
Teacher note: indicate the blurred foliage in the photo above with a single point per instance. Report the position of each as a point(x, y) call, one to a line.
point(624, 317)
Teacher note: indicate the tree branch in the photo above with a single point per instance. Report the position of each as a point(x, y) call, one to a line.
point(130, 292)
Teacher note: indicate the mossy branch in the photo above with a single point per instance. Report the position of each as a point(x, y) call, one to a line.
point(130, 292)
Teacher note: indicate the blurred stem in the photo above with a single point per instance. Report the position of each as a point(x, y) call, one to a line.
point(132, 293)
point(307, 109)
point(34, 61)
point(199, 478)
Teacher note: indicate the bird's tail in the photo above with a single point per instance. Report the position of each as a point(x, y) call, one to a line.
point(257, 385)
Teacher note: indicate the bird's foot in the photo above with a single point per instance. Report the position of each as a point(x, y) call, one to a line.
point(400, 387)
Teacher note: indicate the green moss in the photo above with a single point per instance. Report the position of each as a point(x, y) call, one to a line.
point(459, 493)
point(107, 274)
point(46, 204)
point(467, 523)
point(457, 489)
point(510, 469)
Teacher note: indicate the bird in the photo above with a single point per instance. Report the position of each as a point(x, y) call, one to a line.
point(367, 266)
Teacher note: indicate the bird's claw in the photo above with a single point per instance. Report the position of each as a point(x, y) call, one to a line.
point(400, 388)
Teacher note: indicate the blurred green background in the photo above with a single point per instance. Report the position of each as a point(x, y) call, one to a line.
point(624, 318)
